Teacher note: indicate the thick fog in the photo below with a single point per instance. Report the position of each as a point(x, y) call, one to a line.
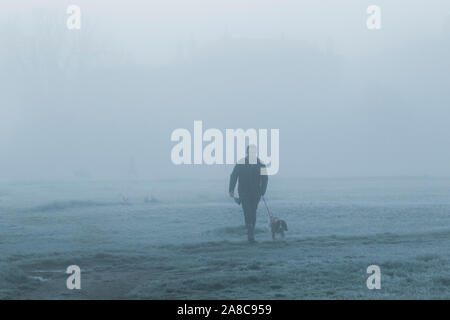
point(101, 102)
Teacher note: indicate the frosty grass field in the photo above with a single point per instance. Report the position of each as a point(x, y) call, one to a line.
point(186, 240)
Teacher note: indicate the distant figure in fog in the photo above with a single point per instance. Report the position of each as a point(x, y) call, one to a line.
point(252, 186)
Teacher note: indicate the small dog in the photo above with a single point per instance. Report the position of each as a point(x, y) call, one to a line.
point(277, 226)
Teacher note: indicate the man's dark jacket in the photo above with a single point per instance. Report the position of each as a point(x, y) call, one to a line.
point(252, 184)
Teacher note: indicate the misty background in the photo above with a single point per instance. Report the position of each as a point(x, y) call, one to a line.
point(101, 102)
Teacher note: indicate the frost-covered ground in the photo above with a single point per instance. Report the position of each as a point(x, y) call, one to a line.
point(184, 239)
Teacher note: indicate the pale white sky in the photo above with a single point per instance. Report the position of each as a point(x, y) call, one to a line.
point(155, 31)
point(348, 101)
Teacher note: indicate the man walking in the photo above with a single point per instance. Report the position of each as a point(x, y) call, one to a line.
point(252, 185)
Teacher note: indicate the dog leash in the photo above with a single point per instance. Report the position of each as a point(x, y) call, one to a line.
point(268, 211)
